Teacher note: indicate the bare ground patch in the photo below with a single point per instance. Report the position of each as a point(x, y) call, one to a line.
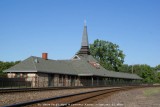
point(145, 97)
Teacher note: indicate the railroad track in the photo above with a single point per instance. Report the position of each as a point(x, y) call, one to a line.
point(33, 89)
point(76, 100)
point(15, 90)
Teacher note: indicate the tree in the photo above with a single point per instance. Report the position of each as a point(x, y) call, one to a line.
point(147, 73)
point(158, 77)
point(157, 67)
point(108, 54)
point(125, 68)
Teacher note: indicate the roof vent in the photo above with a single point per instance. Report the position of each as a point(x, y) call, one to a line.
point(45, 56)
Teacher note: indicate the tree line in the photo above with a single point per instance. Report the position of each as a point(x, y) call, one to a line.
point(148, 73)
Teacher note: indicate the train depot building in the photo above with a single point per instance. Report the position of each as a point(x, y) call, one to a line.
point(81, 70)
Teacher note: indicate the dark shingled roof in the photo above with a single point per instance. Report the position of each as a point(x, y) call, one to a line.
point(80, 67)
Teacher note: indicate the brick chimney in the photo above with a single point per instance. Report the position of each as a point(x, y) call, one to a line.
point(45, 56)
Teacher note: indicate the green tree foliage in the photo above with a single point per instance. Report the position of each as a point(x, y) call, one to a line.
point(157, 67)
point(147, 72)
point(108, 53)
point(6, 65)
point(125, 68)
point(158, 77)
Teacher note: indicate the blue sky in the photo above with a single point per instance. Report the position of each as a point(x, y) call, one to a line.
point(30, 27)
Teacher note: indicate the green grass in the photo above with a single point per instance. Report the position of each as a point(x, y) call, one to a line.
point(152, 91)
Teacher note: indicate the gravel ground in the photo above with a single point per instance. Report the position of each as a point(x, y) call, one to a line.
point(146, 97)
point(12, 98)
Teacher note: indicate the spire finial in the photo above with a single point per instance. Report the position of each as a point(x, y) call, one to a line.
point(85, 22)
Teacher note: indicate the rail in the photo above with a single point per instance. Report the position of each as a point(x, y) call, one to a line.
point(14, 90)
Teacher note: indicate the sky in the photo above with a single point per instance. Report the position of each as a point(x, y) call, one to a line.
point(31, 27)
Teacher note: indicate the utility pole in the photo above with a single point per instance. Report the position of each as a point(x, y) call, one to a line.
point(132, 69)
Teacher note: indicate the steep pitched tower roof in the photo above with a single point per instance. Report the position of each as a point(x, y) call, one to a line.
point(84, 45)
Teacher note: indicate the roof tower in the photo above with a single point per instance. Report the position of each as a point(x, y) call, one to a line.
point(84, 45)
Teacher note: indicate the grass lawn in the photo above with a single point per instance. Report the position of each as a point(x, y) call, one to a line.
point(151, 92)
